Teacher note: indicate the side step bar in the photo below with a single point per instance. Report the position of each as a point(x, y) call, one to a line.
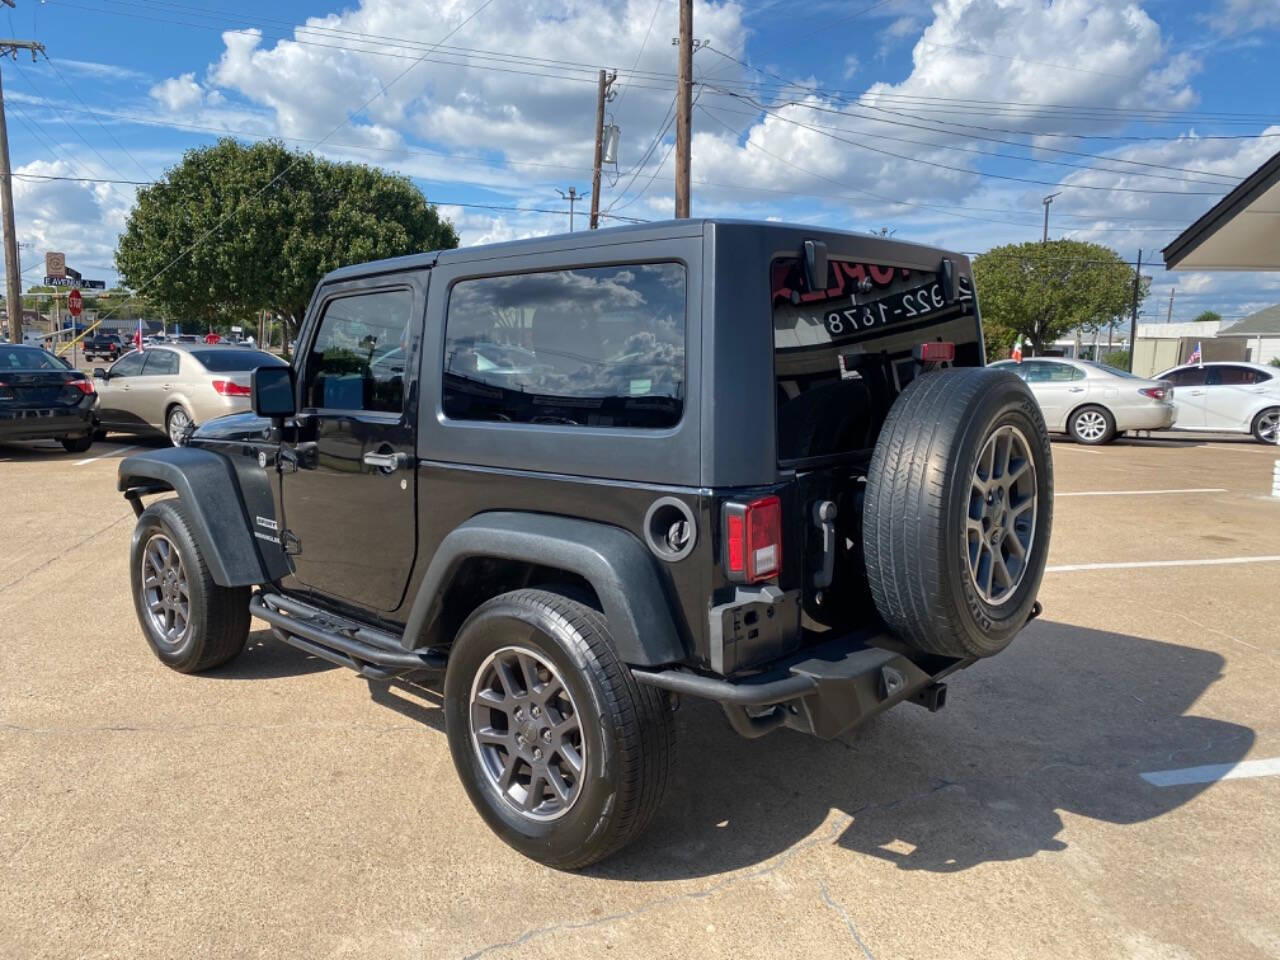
point(371, 653)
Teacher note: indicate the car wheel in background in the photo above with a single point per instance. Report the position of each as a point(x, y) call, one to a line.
point(78, 445)
point(1266, 426)
point(176, 422)
point(1092, 425)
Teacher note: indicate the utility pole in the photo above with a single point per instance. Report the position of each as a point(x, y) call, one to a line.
point(1133, 320)
point(572, 196)
point(13, 270)
point(684, 108)
point(1169, 316)
point(602, 95)
point(1046, 201)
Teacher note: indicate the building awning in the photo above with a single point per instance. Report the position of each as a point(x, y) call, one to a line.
point(1241, 232)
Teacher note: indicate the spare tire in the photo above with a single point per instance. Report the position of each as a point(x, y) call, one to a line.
point(958, 511)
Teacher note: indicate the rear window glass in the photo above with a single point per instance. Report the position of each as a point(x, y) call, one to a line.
point(596, 346)
point(27, 358)
point(234, 359)
point(842, 354)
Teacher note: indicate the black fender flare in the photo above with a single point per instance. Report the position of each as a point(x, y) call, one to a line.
point(207, 485)
point(617, 565)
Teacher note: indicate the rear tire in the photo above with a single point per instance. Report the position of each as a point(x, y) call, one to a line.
point(1092, 425)
point(191, 623)
point(176, 422)
point(78, 445)
point(1266, 426)
point(962, 474)
point(511, 735)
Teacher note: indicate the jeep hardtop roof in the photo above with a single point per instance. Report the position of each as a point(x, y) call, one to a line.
point(583, 239)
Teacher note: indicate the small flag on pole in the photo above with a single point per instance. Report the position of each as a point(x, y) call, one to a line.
point(1196, 355)
point(137, 337)
point(1017, 351)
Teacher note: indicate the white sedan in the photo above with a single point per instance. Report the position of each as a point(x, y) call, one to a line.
point(1093, 402)
point(1227, 397)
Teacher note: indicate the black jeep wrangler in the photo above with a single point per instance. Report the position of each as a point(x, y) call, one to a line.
point(587, 475)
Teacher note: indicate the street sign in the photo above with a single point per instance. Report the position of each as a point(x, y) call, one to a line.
point(75, 302)
point(52, 281)
point(55, 264)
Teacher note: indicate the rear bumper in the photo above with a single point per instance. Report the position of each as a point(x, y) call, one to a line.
point(1158, 416)
point(823, 690)
point(39, 423)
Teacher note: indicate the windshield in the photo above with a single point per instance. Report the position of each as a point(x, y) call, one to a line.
point(235, 360)
point(27, 358)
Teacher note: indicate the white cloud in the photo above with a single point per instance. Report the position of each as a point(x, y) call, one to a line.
point(1238, 16)
point(177, 94)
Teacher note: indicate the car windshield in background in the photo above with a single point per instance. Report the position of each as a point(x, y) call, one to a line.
point(27, 358)
point(1114, 371)
point(226, 360)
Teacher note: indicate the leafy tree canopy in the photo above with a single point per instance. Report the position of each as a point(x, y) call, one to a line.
point(1039, 291)
point(1209, 316)
point(212, 242)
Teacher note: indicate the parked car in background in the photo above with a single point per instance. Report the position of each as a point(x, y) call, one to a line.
point(104, 346)
point(1234, 397)
point(1092, 402)
point(41, 398)
point(171, 388)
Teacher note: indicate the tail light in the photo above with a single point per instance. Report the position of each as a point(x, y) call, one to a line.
point(84, 386)
point(753, 539)
point(6, 391)
point(1157, 393)
point(935, 352)
point(229, 388)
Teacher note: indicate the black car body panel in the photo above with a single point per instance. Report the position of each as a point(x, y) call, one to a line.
point(41, 399)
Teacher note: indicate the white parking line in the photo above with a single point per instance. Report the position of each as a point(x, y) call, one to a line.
point(81, 463)
point(1138, 493)
point(1213, 772)
point(1135, 564)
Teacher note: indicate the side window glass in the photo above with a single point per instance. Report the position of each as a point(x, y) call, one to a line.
point(159, 362)
point(1036, 372)
point(1187, 377)
point(359, 358)
point(596, 346)
point(1232, 376)
point(1076, 373)
point(130, 365)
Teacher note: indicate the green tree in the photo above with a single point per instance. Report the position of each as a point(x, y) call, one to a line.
point(1208, 317)
point(235, 229)
point(1039, 291)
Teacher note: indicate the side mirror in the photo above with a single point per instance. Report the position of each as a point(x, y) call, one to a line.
point(100, 373)
point(271, 392)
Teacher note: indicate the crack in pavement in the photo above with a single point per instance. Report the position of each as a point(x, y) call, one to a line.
point(58, 556)
point(844, 914)
point(828, 836)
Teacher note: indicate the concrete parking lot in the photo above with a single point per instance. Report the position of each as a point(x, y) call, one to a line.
point(282, 807)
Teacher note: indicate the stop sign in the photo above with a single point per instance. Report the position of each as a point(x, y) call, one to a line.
point(75, 302)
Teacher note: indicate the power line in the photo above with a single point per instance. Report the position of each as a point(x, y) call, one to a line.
point(103, 126)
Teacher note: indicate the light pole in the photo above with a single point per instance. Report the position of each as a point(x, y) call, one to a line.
point(1046, 201)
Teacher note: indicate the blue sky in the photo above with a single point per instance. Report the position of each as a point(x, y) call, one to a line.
point(944, 121)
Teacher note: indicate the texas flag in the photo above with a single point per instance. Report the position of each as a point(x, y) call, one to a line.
point(1196, 355)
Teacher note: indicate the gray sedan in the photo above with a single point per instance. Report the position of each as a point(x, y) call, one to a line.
point(1093, 402)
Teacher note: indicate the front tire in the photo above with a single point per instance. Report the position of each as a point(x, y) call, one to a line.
point(190, 622)
point(563, 754)
point(958, 510)
point(1092, 426)
point(1266, 426)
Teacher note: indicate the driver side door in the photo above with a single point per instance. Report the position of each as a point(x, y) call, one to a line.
point(349, 487)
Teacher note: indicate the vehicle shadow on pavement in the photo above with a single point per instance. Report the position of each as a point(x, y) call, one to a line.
point(266, 658)
point(1064, 721)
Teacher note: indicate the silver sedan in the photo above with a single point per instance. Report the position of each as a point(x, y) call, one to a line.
point(1093, 402)
point(166, 389)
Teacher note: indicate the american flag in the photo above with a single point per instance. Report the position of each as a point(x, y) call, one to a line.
point(1196, 355)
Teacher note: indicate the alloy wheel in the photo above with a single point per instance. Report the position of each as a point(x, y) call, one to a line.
point(1091, 426)
point(165, 590)
point(178, 423)
point(527, 734)
point(1001, 523)
point(1269, 426)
